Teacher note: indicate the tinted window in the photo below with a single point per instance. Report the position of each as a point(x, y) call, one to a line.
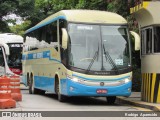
point(146, 40)
point(1, 57)
point(157, 39)
point(45, 36)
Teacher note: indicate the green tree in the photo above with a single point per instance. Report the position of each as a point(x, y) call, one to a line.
point(20, 29)
point(119, 6)
point(21, 8)
point(44, 8)
point(92, 4)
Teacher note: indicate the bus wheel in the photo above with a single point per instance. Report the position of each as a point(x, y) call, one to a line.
point(32, 90)
point(111, 99)
point(61, 98)
point(41, 92)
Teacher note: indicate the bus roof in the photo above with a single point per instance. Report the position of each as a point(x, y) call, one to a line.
point(10, 38)
point(82, 16)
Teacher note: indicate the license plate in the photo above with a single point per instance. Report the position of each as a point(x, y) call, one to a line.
point(101, 91)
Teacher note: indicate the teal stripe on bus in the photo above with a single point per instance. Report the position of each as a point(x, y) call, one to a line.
point(39, 55)
point(45, 23)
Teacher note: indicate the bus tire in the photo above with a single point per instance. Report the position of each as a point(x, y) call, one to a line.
point(32, 90)
point(28, 81)
point(41, 92)
point(61, 98)
point(111, 99)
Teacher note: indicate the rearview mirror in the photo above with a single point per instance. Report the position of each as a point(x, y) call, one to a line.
point(6, 48)
point(64, 38)
point(137, 40)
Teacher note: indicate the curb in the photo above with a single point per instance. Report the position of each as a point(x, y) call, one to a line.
point(138, 104)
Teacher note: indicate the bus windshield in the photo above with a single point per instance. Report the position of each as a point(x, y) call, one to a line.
point(15, 57)
point(98, 47)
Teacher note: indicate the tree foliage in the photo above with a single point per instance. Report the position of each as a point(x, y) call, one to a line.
point(44, 8)
point(119, 6)
point(19, 29)
point(21, 8)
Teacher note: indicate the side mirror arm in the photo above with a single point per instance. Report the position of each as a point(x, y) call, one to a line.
point(6, 48)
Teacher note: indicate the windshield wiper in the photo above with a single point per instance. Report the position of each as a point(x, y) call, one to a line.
point(110, 59)
point(93, 59)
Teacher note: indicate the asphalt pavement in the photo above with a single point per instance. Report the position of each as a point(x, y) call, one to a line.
point(134, 100)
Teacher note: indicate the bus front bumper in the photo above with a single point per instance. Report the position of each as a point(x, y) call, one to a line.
point(71, 88)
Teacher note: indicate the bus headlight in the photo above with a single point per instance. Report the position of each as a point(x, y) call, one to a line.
point(126, 80)
point(75, 79)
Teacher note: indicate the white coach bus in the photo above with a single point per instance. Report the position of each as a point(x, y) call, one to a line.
point(12, 45)
point(79, 53)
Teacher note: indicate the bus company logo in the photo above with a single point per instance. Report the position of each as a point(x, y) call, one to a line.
point(101, 83)
point(6, 114)
point(21, 114)
point(102, 73)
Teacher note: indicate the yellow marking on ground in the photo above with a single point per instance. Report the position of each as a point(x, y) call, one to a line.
point(144, 84)
point(153, 85)
point(149, 87)
point(158, 95)
point(142, 87)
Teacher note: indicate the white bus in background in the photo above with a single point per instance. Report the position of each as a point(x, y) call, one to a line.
point(14, 44)
point(4, 69)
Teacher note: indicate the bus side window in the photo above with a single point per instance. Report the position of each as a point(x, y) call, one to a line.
point(148, 40)
point(156, 40)
point(52, 34)
point(29, 43)
point(146, 43)
point(49, 34)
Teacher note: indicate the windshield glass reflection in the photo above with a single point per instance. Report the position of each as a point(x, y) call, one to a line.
point(88, 42)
